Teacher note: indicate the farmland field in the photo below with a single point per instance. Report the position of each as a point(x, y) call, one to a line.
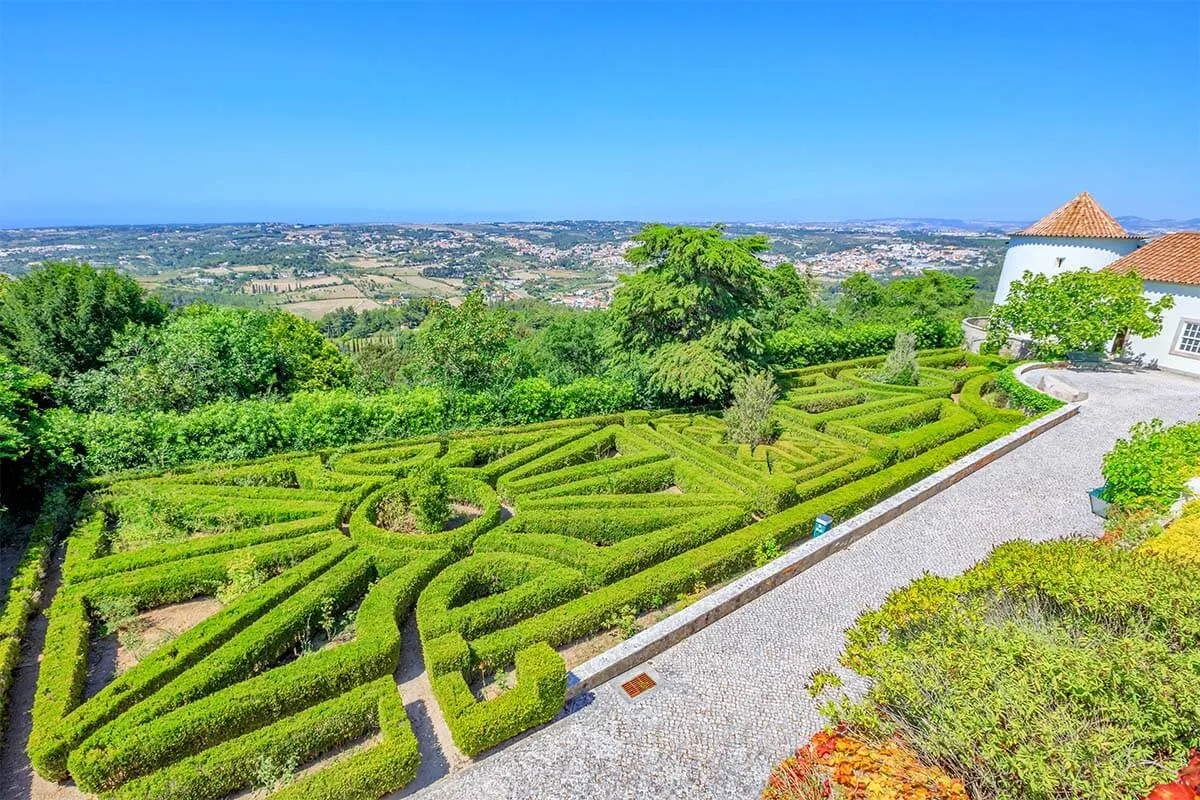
point(557, 530)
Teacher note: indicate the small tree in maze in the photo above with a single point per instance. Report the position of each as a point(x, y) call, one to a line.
point(900, 367)
point(748, 420)
point(429, 497)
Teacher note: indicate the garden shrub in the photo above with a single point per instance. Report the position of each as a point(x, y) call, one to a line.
point(748, 418)
point(1049, 670)
point(1150, 468)
point(900, 366)
point(582, 522)
point(1028, 399)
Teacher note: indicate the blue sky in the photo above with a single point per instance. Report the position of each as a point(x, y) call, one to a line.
point(437, 111)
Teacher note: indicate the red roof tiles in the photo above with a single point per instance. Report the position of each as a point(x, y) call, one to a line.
point(1174, 258)
point(1083, 217)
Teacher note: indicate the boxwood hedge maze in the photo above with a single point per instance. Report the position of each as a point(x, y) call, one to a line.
point(561, 526)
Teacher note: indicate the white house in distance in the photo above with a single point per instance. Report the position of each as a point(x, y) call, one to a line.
point(1082, 234)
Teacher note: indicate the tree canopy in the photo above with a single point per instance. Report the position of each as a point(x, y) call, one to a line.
point(1080, 310)
point(61, 317)
point(693, 308)
point(466, 347)
point(203, 353)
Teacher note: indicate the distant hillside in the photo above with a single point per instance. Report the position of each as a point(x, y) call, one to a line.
point(1132, 224)
point(1154, 226)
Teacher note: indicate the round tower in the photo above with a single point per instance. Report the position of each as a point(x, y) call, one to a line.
point(1076, 235)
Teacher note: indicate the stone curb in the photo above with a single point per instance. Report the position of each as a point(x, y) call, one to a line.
point(648, 643)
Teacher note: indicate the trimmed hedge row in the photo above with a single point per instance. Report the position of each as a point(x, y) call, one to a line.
point(23, 589)
point(800, 347)
point(720, 558)
point(60, 724)
point(1028, 399)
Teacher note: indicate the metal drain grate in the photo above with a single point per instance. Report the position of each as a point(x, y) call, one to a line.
point(637, 684)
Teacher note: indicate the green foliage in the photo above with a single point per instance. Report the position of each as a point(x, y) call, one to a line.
point(24, 397)
point(610, 515)
point(624, 621)
point(766, 552)
point(900, 367)
point(1150, 469)
point(1080, 310)
point(253, 428)
point(61, 317)
point(804, 346)
point(1049, 670)
point(24, 586)
point(1024, 397)
point(933, 296)
point(692, 308)
point(202, 354)
point(748, 419)
point(347, 323)
point(429, 497)
point(467, 347)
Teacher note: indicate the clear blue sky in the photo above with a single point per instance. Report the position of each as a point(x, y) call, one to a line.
point(435, 111)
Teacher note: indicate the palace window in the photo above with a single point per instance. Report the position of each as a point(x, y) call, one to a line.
point(1189, 338)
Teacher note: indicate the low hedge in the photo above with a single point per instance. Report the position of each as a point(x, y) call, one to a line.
point(60, 724)
point(537, 698)
point(1026, 398)
point(720, 558)
point(23, 589)
point(800, 347)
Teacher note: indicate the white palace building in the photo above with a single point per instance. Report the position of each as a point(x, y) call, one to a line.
point(1082, 234)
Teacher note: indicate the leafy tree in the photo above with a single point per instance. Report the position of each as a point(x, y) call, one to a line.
point(467, 347)
point(61, 317)
point(1080, 310)
point(379, 367)
point(861, 295)
point(573, 345)
point(202, 354)
point(748, 419)
point(932, 295)
point(787, 295)
point(24, 393)
point(693, 308)
point(337, 322)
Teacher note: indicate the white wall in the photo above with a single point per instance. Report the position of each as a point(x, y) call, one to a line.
point(1040, 254)
point(1187, 306)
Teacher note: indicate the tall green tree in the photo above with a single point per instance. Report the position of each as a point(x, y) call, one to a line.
point(1079, 310)
point(693, 308)
point(61, 317)
point(24, 393)
point(465, 348)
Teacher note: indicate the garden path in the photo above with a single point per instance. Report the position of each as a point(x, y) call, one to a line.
point(732, 701)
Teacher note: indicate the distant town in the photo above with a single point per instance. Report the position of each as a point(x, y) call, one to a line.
point(313, 269)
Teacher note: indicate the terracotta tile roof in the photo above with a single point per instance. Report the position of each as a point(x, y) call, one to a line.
point(1081, 216)
point(1174, 258)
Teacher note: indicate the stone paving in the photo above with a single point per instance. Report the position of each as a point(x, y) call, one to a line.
point(731, 702)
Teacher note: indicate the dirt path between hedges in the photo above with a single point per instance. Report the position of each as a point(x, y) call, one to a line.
point(439, 755)
point(19, 781)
